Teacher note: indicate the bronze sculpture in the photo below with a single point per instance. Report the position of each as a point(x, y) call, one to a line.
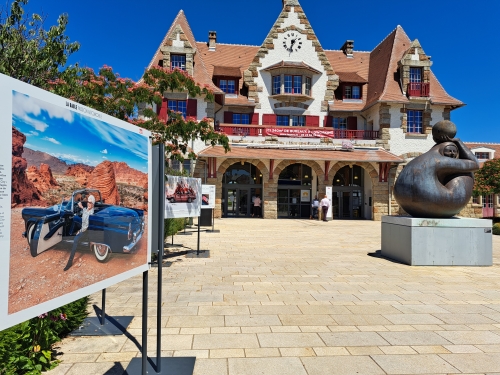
point(438, 184)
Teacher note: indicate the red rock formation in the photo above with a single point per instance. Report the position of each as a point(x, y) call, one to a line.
point(23, 190)
point(103, 178)
point(81, 173)
point(126, 175)
point(43, 178)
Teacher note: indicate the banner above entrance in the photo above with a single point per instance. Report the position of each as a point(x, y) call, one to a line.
point(300, 132)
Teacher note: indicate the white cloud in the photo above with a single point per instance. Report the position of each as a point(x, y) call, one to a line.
point(38, 125)
point(104, 151)
point(104, 157)
point(54, 141)
point(73, 159)
point(119, 137)
point(34, 133)
point(26, 107)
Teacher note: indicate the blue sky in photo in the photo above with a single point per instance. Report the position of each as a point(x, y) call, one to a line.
point(461, 36)
point(75, 138)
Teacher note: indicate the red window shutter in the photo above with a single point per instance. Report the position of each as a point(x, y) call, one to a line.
point(269, 119)
point(192, 109)
point(312, 121)
point(228, 117)
point(328, 122)
point(161, 111)
point(352, 123)
point(255, 119)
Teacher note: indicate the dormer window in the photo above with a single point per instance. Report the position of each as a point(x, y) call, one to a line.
point(276, 85)
point(178, 61)
point(482, 155)
point(308, 86)
point(352, 92)
point(227, 85)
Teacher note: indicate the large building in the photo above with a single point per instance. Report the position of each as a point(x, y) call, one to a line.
point(302, 118)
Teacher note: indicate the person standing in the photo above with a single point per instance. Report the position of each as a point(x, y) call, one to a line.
point(315, 207)
point(325, 205)
point(86, 212)
point(256, 206)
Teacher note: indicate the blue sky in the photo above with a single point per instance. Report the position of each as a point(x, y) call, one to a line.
point(461, 36)
point(75, 138)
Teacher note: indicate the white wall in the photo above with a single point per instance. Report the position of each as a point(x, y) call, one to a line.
point(306, 54)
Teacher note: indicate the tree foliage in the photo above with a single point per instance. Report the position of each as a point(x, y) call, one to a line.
point(487, 179)
point(28, 52)
point(124, 99)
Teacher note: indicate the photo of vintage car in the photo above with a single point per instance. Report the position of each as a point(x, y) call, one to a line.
point(182, 193)
point(112, 229)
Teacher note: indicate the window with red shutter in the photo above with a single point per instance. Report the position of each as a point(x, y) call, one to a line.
point(255, 119)
point(352, 123)
point(161, 111)
point(269, 119)
point(312, 121)
point(328, 123)
point(192, 110)
point(228, 117)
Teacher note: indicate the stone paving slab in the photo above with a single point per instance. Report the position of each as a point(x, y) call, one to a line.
point(304, 298)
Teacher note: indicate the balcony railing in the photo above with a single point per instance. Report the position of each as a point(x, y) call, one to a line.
point(419, 89)
point(295, 131)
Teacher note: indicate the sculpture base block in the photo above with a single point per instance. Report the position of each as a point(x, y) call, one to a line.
point(437, 242)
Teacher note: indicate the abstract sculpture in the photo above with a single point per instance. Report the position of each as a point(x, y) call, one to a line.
point(438, 184)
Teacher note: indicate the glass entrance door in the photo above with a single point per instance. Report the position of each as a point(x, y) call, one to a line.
point(292, 203)
point(237, 203)
point(347, 203)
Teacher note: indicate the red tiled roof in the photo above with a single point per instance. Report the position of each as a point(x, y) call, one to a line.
point(350, 77)
point(232, 55)
point(227, 71)
point(244, 152)
point(493, 146)
point(239, 101)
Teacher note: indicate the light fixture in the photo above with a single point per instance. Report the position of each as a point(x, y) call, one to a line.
point(242, 162)
point(260, 175)
point(255, 178)
point(355, 177)
point(306, 176)
point(338, 180)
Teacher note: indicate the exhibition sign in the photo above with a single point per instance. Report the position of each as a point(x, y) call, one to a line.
point(74, 184)
point(183, 197)
point(208, 196)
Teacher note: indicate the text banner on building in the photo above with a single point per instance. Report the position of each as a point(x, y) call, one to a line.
point(300, 132)
point(183, 197)
point(208, 198)
point(73, 197)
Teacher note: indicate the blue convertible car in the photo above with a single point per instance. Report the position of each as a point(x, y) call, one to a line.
point(112, 229)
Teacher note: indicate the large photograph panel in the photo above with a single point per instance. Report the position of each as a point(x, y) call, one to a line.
point(79, 207)
point(183, 197)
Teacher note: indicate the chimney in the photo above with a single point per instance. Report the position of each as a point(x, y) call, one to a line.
point(348, 48)
point(212, 40)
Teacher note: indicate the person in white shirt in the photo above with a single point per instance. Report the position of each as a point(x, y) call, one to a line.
point(86, 212)
point(315, 207)
point(325, 204)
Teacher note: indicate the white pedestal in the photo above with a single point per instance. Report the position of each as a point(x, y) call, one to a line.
point(437, 242)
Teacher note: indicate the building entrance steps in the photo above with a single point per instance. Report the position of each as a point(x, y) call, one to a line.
point(298, 297)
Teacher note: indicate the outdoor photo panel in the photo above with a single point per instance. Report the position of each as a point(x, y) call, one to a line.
point(208, 196)
point(183, 197)
point(74, 184)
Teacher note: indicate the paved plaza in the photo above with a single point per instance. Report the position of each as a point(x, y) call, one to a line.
point(297, 297)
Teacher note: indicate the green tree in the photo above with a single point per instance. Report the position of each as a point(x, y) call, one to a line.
point(28, 52)
point(487, 179)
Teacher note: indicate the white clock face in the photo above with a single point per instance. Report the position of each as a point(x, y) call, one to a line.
point(292, 41)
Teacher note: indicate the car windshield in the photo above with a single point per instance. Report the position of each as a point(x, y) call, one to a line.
point(57, 207)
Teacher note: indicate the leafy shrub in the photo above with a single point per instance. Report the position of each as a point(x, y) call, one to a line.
point(27, 347)
point(496, 229)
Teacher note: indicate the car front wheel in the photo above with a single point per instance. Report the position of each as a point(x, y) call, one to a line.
point(30, 233)
point(189, 200)
point(172, 200)
point(101, 252)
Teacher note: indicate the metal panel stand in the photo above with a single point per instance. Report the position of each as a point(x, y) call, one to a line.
point(185, 233)
point(199, 253)
point(100, 326)
point(166, 365)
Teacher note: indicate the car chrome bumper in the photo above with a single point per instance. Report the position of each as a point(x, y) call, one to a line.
point(135, 238)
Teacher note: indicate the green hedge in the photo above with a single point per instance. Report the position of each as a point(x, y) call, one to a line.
point(27, 347)
point(496, 229)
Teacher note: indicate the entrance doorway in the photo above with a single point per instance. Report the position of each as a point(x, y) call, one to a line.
point(347, 197)
point(242, 182)
point(295, 191)
point(239, 201)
